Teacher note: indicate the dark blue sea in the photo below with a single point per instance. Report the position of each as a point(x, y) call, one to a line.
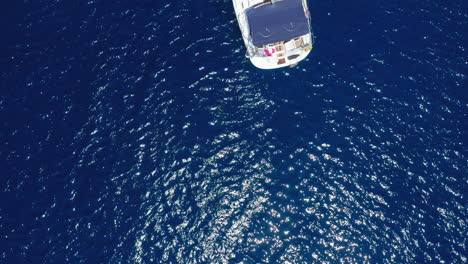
point(136, 131)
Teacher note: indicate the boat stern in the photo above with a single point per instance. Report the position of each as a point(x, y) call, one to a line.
point(275, 62)
point(282, 54)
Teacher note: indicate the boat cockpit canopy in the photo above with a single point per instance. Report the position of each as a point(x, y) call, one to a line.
point(279, 21)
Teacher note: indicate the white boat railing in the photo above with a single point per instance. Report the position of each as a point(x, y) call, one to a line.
point(253, 51)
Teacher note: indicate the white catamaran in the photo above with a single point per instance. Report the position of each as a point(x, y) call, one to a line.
point(277, 33)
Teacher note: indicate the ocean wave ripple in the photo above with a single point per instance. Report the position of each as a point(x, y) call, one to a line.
point(143, 135)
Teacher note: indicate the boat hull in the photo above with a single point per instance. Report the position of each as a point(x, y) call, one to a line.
point(272, 55)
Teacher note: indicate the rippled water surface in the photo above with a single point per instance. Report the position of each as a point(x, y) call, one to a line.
point(137, 132)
